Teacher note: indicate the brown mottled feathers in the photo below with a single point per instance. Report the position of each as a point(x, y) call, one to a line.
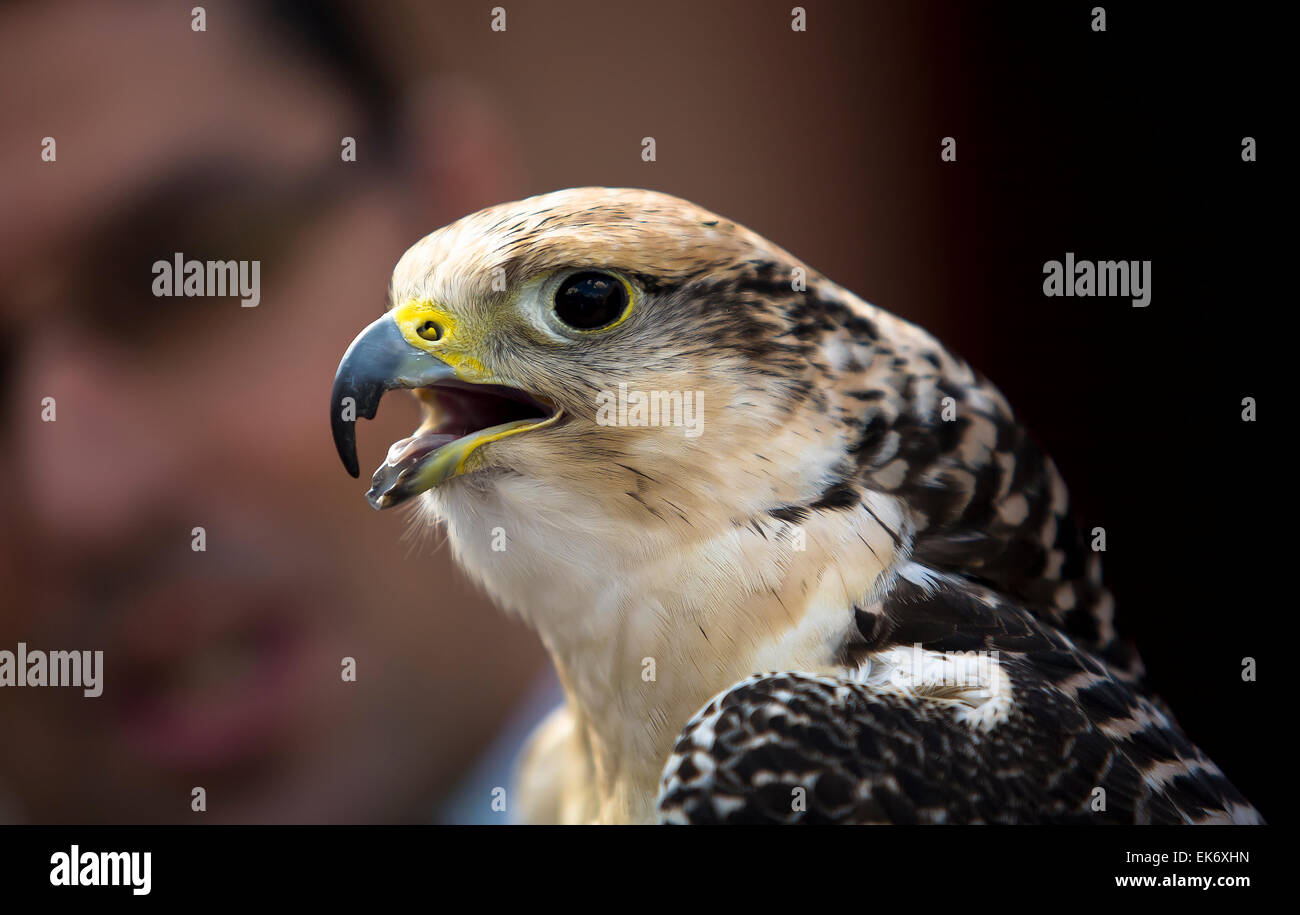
point(984, 500)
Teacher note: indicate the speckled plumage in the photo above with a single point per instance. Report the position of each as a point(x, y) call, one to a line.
point(860, 506)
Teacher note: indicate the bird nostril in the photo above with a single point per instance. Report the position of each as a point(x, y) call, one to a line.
point(430, 330)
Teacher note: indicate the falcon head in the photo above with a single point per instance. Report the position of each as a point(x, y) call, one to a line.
point(656, 435)
point(619, 347)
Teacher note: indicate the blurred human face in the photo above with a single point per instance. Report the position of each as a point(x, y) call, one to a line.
point(222, 666)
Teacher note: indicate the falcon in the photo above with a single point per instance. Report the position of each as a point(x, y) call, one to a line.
point(851, 591)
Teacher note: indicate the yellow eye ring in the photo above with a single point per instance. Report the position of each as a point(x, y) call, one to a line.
point(592, 301)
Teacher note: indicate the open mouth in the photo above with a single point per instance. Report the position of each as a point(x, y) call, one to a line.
point(458, 418)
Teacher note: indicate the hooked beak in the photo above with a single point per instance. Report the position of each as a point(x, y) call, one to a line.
point(459, 417)
point(377, 361)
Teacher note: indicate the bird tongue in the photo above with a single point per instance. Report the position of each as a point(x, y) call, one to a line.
point(405, 452)
point(404, 458)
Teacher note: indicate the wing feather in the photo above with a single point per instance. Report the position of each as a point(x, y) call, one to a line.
point(1077, 744)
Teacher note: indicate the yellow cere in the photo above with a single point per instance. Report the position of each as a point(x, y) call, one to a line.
point(449, 346)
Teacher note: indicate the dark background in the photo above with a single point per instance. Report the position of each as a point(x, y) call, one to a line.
point(1130, 141)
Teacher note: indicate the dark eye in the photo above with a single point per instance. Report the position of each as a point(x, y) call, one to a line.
point(590, 300)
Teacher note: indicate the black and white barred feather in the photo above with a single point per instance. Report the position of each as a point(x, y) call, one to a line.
point(1077, 745)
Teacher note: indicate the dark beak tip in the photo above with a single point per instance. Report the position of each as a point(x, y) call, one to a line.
point(345, 440)
point(372, 365)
